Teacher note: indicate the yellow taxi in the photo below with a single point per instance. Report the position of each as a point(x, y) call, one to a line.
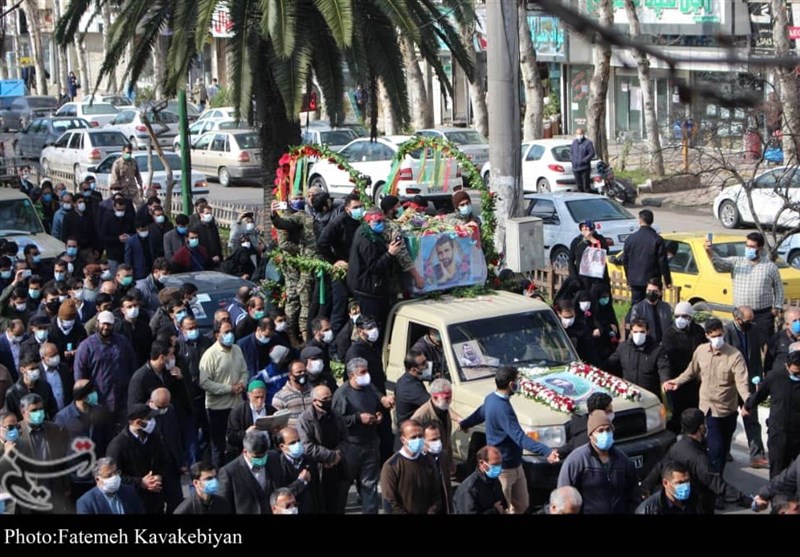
point(702, 285)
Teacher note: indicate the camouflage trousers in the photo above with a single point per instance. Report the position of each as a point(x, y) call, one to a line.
point(299, 286)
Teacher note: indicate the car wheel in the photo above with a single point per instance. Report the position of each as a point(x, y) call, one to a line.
point(46, 168)
point(559, 259)
point(319, 182)
point(794, 259)
point(224, 177)
point(486, 178)
point(377, 194)
point(77, 170)
point(729, 215)
point(21, 124)
point(542, 186)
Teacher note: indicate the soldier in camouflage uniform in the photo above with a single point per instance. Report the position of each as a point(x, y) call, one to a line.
point(125, 173)
point(296, 237)
point(390, 205)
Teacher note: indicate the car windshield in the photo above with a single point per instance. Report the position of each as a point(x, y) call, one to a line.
point(173, 160)
point(597, 209)
point(736, 249)
point(466, 137)
point(337, 137)
point(42, 102)
point(17, 216)
point(534, 339)
point(247, 140)
point(118, 101)
point(64, 125)
point(108, 139)
point(99, 108)
point(561, 153)
point(232, 125)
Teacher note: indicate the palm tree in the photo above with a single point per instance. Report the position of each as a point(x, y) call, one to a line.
point(284, 43)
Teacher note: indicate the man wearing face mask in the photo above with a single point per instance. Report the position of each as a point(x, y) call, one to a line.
point(138, 251)
point(57, 230)
point(363, 408)
point(191, 347)
point(680, 341)
point(205, 499)
point(348, 333)
point(334, 246)
point(323, 432)
point(40, 330)
point(437, 412)
point(108, 360)
point(247, 481)
point(740, 334)
point(42, 440)
point(247, 322)
point(31, 382)
point(783, 435)
point(296, 237)
point(276, 373)
point(430, 344)
point(175, 239)
point(654, 310)
point(675, 496)
point(208, 232)
point(603, 474)
point(108, 494)
point(168, 429)
point(778, 345)
point(245, 225)
point(256, 346)
point(462, 203)
point(578, 332)
point(442, 464)
point(244, 416)
point(314, 359)
point(57, 374)
point(157, 230)
point(133, 324)
point(640, 359)
point(410, 392)
point(481, 492)
point(581, 154)
point(223, 376)
point(152, 284)
point(126, 177)
point(588, 238)
point(409, 482)
point(66, 331)
point(322, 338)
point(115, 229)
point(756, 283)
point(157, 372)
point(10, 346)
point(297, 472)
point(142, 457)
point(504, 432)
point(295, 395)
point(722, 373)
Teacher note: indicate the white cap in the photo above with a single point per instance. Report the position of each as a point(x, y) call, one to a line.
point(105, 317)
point(684, 308)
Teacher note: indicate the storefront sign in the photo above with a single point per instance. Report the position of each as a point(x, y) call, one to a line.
point(672, 12)
point(221, 23)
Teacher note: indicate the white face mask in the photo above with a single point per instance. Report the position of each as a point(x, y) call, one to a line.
point(53, 362)
point(67, 325)
point(119, 214)
point(150, 427)
point(363, 380)
point(293, 510)
point(427, 373)
point(250, 226)
point(639, 338)
point(246, 245)
point(585, 306)
point(143, 233)
point(33, 374)
point(280, 327)
point(111, 485)
point(681, 322)
point(132, 313)
point(567, 322)
point(435, 447)
point(373, 334)
point(208, 217)
point(327, 336)
point(355, 317)
point(716, 342)
point(315, 367)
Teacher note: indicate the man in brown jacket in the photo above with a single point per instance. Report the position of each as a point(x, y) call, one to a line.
point(437, 412)
point(722, 372)
point(409, 480)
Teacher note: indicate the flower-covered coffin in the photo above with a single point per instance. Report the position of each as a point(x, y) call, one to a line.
point(446, 253)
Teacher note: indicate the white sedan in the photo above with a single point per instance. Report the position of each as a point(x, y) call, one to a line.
point(199, 127)
point(76, 150)
point(374, 159)
point(767, 192)
point(97, 114)
point(546, 166)
point(102, 173)
point(129, 122)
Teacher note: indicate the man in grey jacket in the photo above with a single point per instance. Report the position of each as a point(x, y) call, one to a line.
point(581, 153)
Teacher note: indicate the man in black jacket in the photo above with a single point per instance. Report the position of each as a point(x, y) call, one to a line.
point(786, 483)
point(640, 360)
point(675, 496)
point(654, 310)
point(691, 452)
point(578, 332)
point(191, 347)
point(318, 374)
point(645, 257)
point(204, 500)
point(783, 433)
point(679, 343)
point(247, 481)
point(410, 392)
point(115, 228)
point(321, 337)
point(333, 245)
point(133, 324)
point(243, 418)
point(168, 429)
point(297, 472)
point(778, 345)
point(480, 492)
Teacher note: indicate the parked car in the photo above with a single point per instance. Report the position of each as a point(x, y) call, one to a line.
point(198, 128)
point(220, 112)
point(129, 122)
point(22, 110)
point(546, 166)
point(102, 173)
point(192, 113)
point(732, 208)
point(77, 150)
point(467, 140)
point(701, 284)
point(97, 114)
point(561, 213)
point(374, 159)
point(20, 223)
point(789, 250)
point(228, 155)
point(121, 102)
point(333, 138)
point(30, 142)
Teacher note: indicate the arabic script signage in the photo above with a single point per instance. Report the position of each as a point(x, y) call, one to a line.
point(672, 12)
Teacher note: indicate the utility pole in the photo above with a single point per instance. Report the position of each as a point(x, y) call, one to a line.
point(504, 112)
point(186, 161)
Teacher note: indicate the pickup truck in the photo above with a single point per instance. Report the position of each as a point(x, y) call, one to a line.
point(483, 333)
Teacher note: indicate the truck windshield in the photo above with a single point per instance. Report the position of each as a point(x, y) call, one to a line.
point(526, 339)
point(17, 216)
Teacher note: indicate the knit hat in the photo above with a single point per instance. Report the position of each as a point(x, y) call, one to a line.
point(68, 310)
point(588, 223)
point(692, 419)
point(597, 419)
point(389, 202)
point(39, 320)
point(684, 308)
point(105, 317)
point(459, 197)
point(256, 384)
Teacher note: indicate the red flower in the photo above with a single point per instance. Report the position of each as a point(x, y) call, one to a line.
point(340, 166)
point(285, 159)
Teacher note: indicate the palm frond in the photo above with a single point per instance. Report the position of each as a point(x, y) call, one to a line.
point(290, 76)
point(326, 62)
point(67, 26)
point(444, 29)
point(280, 25)
point(398, 13)
point(338, 14)
point(205, 13)
point(185, 27)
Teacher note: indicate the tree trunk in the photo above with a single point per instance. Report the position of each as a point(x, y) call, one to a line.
point(31, 10)
point(158, 69)
point(83, 64)
point(477, 87)
point(106, 14)
point(598, 87)
point(656, 166)
point(534, 89)
point(62, 76)
point(787, 81)
point(389, 127)
point(420, 113)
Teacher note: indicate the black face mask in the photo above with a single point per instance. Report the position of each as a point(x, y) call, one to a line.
point(324, 405)
point(745, 325)
point(653, 296)
point(53, 306)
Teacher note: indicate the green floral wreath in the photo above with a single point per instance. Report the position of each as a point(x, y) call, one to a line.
point(303, 152)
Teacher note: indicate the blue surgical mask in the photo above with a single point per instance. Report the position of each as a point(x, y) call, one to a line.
point(12, 435)
point(259, 314)
point(683, 491)
point(604, 300)
point(399, 212)
point(92, 399)
point(34, 294)
point(796, 327)
point(59, 276)
point(357, 214)
point(194, 242)
point(48, 197)
point(127, 281)
point(182, 229)
point(179, 316)
point(258, 461)
point(72, 251)
point(465, 210)
point(193, 334)
point(298, 204)
point(36, 417)
point(262, 340)
point(296, 450)
point(87, 193)
point(41, 335)
point(794, 377)
point(604, 440)
point(494, 471)
point(5, 274)
point(211, 487)
point(378, 227)
point(37, 258)
point(227, 339)
point(751, 253)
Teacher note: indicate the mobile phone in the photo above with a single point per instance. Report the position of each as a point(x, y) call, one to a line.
point(710, 237)
point(282, 206)
point(69, 347)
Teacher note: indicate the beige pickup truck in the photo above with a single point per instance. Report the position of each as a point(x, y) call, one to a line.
point(483, 333)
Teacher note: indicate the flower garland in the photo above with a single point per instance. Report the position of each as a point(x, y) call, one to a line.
point(307, 264)
point(538, 392)
point(287, 174)
point(611, 383)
